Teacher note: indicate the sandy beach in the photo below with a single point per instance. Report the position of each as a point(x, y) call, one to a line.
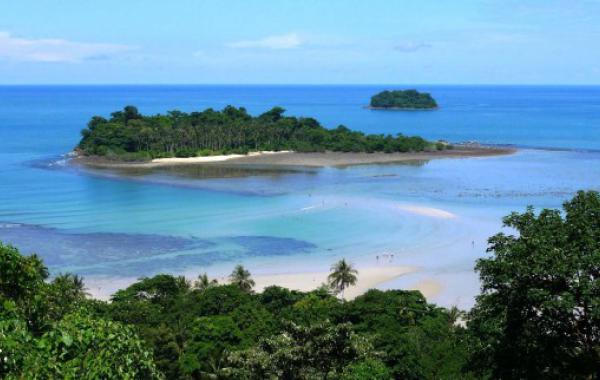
point(211, 159)
point(368, 278)
point(288, 158)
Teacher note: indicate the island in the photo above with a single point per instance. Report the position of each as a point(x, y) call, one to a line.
point(130, 136)
point(403, 100)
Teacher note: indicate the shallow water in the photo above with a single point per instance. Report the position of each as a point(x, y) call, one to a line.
point(435, 215)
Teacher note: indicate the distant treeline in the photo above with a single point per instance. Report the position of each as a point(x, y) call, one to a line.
point(407, 99)
point(129, 134)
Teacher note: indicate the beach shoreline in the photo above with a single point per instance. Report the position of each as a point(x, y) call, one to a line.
point(367, 278)
point(289, 158)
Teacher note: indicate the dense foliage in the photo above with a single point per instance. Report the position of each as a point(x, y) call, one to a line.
point(538, 317)
point(164, 326)
point(128, 134)
point(49, 330)
point(407, 99)
point(541, 295)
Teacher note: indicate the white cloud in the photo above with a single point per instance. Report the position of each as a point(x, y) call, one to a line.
point(411, 47)
point(283, 41)
point(55, 50)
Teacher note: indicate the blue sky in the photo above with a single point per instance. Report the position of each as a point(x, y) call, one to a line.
point(301, 41)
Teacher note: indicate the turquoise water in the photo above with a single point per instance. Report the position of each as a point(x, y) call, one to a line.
point(113, 229)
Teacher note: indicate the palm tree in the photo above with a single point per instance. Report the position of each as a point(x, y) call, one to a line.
point(342, 276)
point(241, 278)
point(71, 285)
point(182, 284)
point(455, 315)
point(203, 282)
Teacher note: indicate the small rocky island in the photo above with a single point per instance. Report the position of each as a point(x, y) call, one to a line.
point(403, 100)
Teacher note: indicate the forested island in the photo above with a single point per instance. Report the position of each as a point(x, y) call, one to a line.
point(536, 318)
point(403, 100)
point(127, 134)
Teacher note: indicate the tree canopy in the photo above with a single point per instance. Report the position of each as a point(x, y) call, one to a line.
point(539, 312)
point(48, 330)
point(162, 327)
point(129, 135)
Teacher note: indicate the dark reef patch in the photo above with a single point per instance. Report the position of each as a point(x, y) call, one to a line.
point(272, 246)
point(63, 248)
point(134, 255)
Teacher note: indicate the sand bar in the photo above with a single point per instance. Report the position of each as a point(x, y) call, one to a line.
point(287, 158)
point(427, 211)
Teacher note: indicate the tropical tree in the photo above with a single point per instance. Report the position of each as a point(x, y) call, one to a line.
point(455, 315)
point(83, 347)
point(241, 278)
point(72, 285)
point(342, 276)
point(203, 282)
point(210, 339)
point(64, 295)
point(539, 312)
point(320, 351)
point(20, 276)
point(162, 289)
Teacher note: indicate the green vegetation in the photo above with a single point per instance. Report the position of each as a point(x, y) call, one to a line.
point(50, 330)
point(541, 295)
point(130, 135)
point(403, 99)
point(537, 317)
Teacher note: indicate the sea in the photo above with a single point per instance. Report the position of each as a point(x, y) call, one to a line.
point(435, 216)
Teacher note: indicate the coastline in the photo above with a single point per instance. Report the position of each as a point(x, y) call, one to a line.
point(288, 158)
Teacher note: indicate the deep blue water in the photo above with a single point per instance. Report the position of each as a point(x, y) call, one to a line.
point(113, 228)
point(540, 116)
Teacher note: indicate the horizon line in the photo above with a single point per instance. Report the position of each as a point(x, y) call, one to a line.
point(303, 84)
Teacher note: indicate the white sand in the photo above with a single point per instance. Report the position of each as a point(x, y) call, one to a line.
point(208, 159)
point(429, 287)
point(103, 287)
point(427, 211)
point(368, 278)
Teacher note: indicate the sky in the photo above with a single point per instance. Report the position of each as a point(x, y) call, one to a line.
point(299, 42)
